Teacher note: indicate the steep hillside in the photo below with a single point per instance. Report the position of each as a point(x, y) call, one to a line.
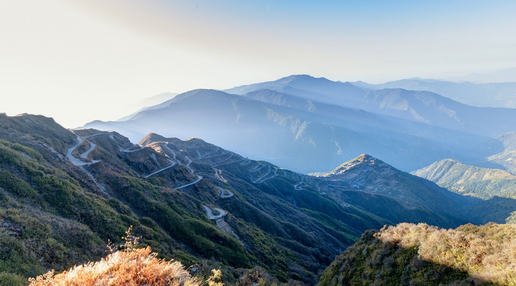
point(470, 180)
point(65, 193)
point(379, 188)
point(398, 196)
point(410, 254)
point(190, 200)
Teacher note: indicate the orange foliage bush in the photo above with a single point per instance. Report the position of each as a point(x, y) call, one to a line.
point(128, 267)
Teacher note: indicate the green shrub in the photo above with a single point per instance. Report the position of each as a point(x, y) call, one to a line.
point(14, 258)
point(31, 227)
point(28, 151)
point(10, 279)
point(15, 186)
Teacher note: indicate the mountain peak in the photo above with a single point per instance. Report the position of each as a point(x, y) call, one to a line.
point(198, 92)
point(302, 77)
point(196, 140)
point(151, 137)
point(364, 160)
point(305, 79)
point(298, 82)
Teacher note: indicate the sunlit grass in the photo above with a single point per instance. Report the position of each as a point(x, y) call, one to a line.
point(129, 266)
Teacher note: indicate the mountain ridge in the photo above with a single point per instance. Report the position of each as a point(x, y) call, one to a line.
point(259, 126)
point(190, 200)
point(197, 202)
point(376, 101)
point(475, 94)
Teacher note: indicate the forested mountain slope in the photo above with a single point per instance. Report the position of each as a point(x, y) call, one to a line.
point(176, 195)
point(65, 193)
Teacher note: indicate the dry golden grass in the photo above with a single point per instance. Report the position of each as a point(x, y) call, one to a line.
point(129, 267)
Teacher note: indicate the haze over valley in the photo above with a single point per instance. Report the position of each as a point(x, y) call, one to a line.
point(257, 143)
point(276, 178)
point(312, 124)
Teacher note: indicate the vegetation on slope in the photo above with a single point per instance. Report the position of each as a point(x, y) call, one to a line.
point(130, 266)
point(377, 187)
point(410, 254)
point(54, 215)
point(278, 225)
point(469, 180)
point(500, 152)
point(48, 221)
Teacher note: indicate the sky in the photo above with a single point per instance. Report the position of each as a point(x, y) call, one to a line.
point(82, 60)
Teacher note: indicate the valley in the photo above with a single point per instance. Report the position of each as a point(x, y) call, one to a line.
point(270, 180)
point(199, 203)
point(257, 143)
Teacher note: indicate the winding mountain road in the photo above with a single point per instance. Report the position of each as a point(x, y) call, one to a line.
point(171, 151)
point(172, 164)
point(208, 155)
point(188, 165)
point(225, 194)
point(178, 162)
point(77, 161)
point(85, 154)
point(189, 184)
point(209, 213)
point(267, 176)
point(128, 150)
point(225, 161)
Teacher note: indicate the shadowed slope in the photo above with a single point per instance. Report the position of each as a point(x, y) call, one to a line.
point(411, 254)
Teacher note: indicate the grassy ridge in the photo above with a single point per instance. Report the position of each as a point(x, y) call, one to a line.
point(410, 254)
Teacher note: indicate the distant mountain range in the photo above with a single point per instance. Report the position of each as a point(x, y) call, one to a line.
point(500, 76)
point(313, 124)
point(417, 106)
point(64, 193)
point(501, 94)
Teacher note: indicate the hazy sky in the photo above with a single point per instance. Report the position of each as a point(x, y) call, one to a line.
point(78, 60)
